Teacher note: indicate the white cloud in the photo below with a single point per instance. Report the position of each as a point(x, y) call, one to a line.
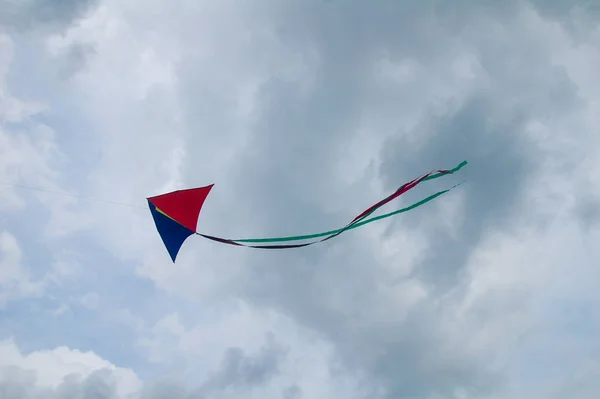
point(16, 281)
point(90, 300)
point(59, 370)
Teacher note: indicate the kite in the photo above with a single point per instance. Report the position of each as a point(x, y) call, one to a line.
point(176, 215)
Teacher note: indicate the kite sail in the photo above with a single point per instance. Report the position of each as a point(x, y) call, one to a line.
point(176, 217)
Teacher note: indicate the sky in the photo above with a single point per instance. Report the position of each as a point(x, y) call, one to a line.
point(302, 114)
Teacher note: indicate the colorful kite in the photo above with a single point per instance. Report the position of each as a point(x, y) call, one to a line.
point(176, 216)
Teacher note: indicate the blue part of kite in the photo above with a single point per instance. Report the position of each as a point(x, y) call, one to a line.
point(172, 233)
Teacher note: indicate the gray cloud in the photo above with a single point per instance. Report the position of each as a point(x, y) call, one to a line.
point(41, 15)
point(239, 372)
point(292, 392)
point(100, 384)
point(75, 59)
point(504, 161)
point(514, 84)
point(242, 372)
point(584, 385)
point(165, 390)
point(588, 211)
point(580, 17)
point(17, 383)
point(498, 172)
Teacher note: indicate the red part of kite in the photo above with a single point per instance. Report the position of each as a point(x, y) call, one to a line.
point(183, 206)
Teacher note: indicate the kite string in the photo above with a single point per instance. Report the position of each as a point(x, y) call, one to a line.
point(45, 190)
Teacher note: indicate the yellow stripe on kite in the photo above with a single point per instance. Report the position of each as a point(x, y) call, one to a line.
point(160, 211)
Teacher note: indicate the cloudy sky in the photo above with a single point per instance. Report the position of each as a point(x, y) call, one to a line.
point(302, 114)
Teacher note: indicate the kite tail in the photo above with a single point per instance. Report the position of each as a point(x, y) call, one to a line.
point(240, 242)
point(356, 222)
